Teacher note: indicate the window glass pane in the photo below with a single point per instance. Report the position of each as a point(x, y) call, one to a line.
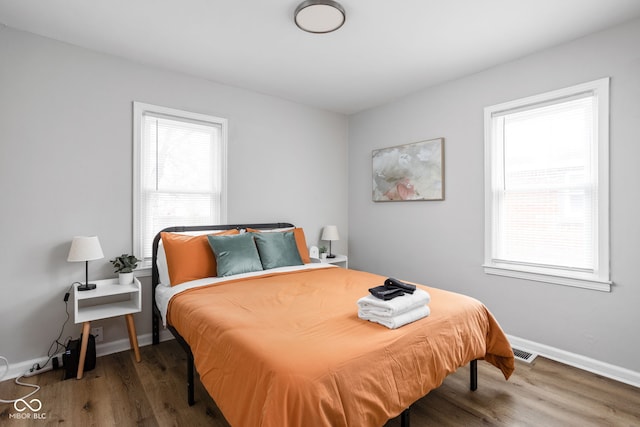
point(547, 227)
point(170, 209)
point(546, 206)
point(180, 172)
point(549, 146)
point(185, 156)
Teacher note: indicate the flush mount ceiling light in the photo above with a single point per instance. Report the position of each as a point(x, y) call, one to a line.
point(319, 16)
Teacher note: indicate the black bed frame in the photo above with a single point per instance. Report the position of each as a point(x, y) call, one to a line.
point(156, 316)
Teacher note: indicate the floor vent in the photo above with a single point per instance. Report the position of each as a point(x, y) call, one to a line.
point(525, 356)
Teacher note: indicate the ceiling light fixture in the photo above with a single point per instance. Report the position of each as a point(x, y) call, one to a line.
point(319, 16)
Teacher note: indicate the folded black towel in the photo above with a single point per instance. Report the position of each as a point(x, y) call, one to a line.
point(385, 293)
point(392, 283)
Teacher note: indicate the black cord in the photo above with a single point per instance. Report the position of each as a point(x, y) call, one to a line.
point(56, 344)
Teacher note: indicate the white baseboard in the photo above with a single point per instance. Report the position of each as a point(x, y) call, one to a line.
point(102, 349)
point(617, 373)
point(16, 369)
point(121, 345)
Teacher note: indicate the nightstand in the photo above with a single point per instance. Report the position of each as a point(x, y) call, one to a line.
point(339, 260)
point(108, 299)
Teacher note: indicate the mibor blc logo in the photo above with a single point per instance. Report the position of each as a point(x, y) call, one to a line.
point(34, 405)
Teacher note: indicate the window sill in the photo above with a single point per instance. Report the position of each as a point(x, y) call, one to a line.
point(142, 271)
point(520, 273)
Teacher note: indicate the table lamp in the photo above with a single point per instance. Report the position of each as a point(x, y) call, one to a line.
point(330, 233)
point(85, 249)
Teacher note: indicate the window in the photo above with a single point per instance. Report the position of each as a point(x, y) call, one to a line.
point(547, 187)
point(179, 172)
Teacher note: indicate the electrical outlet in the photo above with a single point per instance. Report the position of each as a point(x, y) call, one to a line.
point(97, 333)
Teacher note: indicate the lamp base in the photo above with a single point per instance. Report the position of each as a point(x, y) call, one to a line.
point(86, 287)
point(331, 256)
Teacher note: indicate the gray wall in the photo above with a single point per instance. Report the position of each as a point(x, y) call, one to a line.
point(66, 170)
point(441, 243)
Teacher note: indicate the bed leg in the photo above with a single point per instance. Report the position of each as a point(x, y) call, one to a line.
point(474, 375)
point(405, 417)
point(190, 394)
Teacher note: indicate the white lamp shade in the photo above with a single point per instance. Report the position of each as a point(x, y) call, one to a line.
point(330, 232)
point(85, 248)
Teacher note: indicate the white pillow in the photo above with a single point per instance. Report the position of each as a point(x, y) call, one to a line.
point(161, 263)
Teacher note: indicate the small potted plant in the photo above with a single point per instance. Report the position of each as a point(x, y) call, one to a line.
point(124, 266)
point(323, 252)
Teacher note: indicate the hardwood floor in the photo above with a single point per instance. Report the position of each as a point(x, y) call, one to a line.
point(120, 392)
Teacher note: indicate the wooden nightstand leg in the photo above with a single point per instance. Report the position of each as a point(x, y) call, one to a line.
point(86, 328)
point(133, 338)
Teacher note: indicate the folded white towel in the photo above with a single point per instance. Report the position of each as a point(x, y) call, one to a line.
point(392, 307)
point(393, 322)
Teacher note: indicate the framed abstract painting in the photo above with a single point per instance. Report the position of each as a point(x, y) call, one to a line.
point(409, 172)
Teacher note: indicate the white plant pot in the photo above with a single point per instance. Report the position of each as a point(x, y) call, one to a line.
point(125, 278)
point(323, 255)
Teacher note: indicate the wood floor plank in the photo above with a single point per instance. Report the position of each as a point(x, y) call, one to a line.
point(128, 400)
point(121, 392)
point(163, 375)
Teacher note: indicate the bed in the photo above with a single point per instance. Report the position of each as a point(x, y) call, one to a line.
point(284, 346)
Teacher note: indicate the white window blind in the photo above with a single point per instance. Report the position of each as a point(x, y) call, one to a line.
point(181, 174)
point(545, 198)
point(546, 201)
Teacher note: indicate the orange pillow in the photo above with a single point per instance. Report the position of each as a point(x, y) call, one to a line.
point(301, 242)
point(190, 257)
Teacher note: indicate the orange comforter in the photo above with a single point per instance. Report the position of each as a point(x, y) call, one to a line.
point(289, 349)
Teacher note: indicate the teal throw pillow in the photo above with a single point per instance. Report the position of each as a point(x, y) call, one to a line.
point(235, 254)
point(277, 249)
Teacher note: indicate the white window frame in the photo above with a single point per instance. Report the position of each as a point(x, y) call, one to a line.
point(599, 278)
point(139, 109)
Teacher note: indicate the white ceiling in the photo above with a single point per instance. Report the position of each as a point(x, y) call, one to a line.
point(386, 48)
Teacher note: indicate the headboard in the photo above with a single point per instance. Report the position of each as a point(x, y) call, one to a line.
point(189, 229)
